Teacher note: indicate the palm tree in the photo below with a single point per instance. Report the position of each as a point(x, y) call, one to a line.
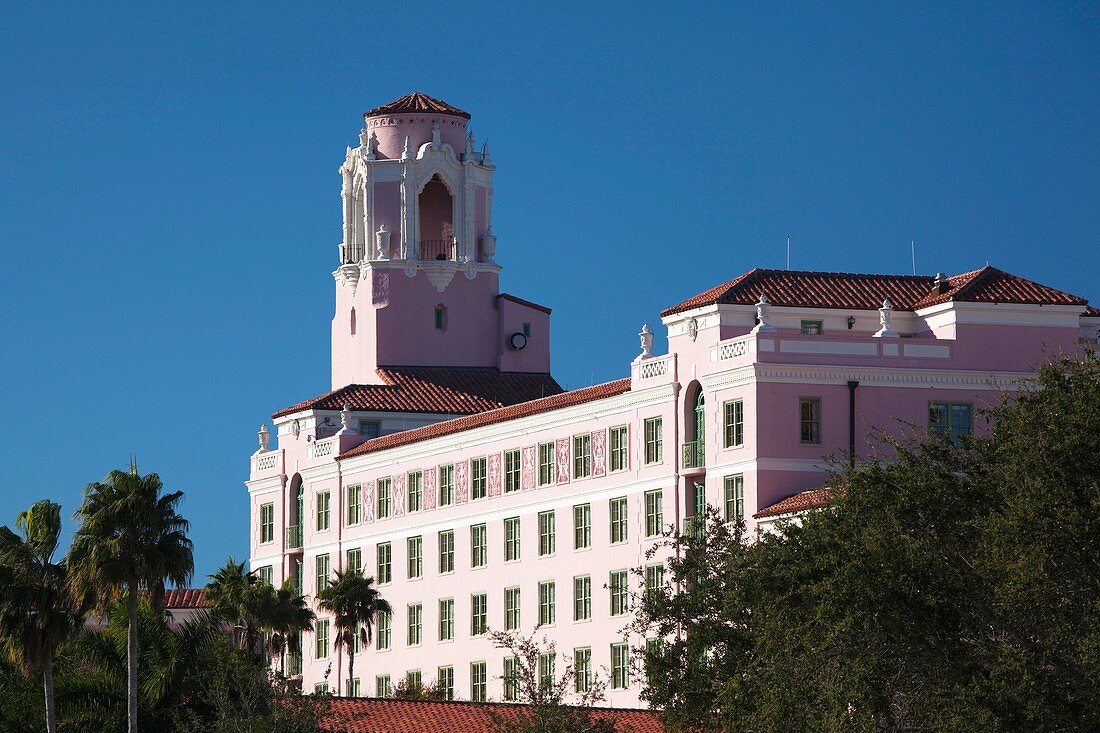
point(231, 591)
point(354, 603)
point(289, 614)
point(131, 539)
point(38, 613)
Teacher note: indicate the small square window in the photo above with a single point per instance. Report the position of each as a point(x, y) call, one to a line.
point(811, 328)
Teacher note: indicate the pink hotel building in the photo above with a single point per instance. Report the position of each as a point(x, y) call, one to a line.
point(447, 463)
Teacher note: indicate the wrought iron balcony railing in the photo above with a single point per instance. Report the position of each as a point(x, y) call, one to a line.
point(438, 249)
point(294, 537)
point(692, 456)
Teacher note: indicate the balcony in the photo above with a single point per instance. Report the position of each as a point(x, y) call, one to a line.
point(438, 249)
point(294, 537)
point(692, 455)
point(294, 664)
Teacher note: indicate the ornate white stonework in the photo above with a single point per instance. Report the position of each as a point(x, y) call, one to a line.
point(265, 438)
point(763, 308)
point(645, 336)
point(884, 314)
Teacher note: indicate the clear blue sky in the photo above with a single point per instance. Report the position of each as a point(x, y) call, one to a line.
point(169, 198)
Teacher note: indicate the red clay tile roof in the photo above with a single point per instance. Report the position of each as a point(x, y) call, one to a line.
point(1092, 312)
point(521, 301)
point(178, 598)
point(866, 292)
point(373, 715)
point(435, 390)
point(416, 102)
point(449, 427)
point(812, 499)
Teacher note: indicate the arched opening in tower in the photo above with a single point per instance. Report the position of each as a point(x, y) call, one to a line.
point(437, 240)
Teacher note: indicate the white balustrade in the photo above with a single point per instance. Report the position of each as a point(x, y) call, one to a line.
point(322, 448)
point(733, 349)
point(267, 461)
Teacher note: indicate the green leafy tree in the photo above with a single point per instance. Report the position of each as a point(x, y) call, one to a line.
point(355, 603)
point(131, 538)
point(38, 613)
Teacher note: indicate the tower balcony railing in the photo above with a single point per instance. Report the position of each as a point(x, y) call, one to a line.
point(353, 253)
point(439, 249)
point(294, 537)
point(692, 455)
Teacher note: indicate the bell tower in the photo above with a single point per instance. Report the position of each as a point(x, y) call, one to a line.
point(417, 284)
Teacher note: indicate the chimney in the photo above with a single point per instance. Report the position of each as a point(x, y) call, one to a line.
point(941, 284)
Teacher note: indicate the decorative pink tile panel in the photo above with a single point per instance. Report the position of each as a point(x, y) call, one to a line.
point(429, 488)
point(561, 459)
point(599, 453)
point(462, 488)
point(527, 468)
point(492, 463)
point(368, 501)
point(399, 495)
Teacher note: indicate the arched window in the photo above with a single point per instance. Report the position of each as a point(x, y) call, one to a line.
point(441, 317)
point(437, 240)
point(298, 492)
point(700, 419)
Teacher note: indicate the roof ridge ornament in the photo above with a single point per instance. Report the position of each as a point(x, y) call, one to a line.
point(763, 307)
point(884, 315)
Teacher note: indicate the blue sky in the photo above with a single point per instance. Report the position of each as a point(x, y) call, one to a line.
point(169, 198)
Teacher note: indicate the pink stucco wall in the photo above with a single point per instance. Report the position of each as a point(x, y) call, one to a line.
point(391, 131)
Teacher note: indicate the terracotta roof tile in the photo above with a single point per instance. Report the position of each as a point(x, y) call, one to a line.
point(178, 598)
point(416, 102)
point(1091, 312)
point(435, 390)
point(373, 715)
point(812, 499)
point(866, 292)
point(449, 427)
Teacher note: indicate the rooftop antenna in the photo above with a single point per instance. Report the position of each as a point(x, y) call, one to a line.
point(913, 250)
point(133, 464)
point(788, 253)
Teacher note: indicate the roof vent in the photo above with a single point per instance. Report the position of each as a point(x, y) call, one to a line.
point(941, 284)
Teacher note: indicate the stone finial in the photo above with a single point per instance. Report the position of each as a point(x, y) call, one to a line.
point(489, 244)
point(265, 437)
point(884, 315)
point(763, 307)
point(485, 153)
point(645, 337)
point(470, 144)
point(436, 142)
point(382, 237)
point(345, 420)
point(364, 138)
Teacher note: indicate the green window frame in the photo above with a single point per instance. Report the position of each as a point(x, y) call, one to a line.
point(415, 556)
point(266, 574)
point(353, 687)
point(654, 440)
point(415, 625)
point(355, 504)
point(547, 533)
point(654, 577)
point(479, 614)
point(547, 606)
point(809, 420)
point(618, 454)
point(479, 478)
point(446, 619)
point(952, 419)
point(479, 682)
point(619, 589)
point(735, 497)
point(447, 551)
point(546, 670)
point(654, 513)
point(618, 513)
point(512, 544)
point(511, 470)
point(445, 681)
point(267, 523)
point(582, 597)
point(811, 328)
point(479, 546)
point(383, 503)
point(383, 631)
point(733, 420)
point(546, 463)
point(382, 686)
point(511, 679)
point(620, 666)
point(324, 512)
point(322, 567)
point(415, 491)
point(582, 669)
point(512, 609)
point(582, 455)
point(355, 559)
point(582, 526)
point(446, 484)
point(321, 639)
point(385, 563)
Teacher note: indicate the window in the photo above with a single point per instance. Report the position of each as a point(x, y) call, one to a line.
point(320, 688)
point(654, 513)
point(618, 519)
point(415, 491)
point(299, 577)
point(654, 577)
point(733, 417)
point(265, 574)
point(414, 679)
point(654, 448)
point(416, 623)
point(479, 478)
point(479, 682)
point(447, 551)
point(321, 638)
point(267, 522)
point(511, 471)
point(620, 666)
point(322, 572)
point(447, 619)
point(582, 455)
point(415, 546)
point(811, 328)
point(695, 523)
point(440, 313)
point(383, 628)
point(383, 498)
point(951, 419)
point(582, 669)
point(382, 685)
point(355, 501)
point(546, 533)
point(735, 498)
point(445, 681)
point(546, 603)
point(546, 670)
point(618, 441)
point(446, 485)
point(369, 429)
point(618, 585)
point(582, 597)
point(385, 563)
point(479, 546)
point(582, 526)
point(353, 687)
point(511, 538)
point(546, 463)
point(355, 559)
point(479, 614)
point(511, 609)
point(809, 412)
point(511, 679)
point(323, 512)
